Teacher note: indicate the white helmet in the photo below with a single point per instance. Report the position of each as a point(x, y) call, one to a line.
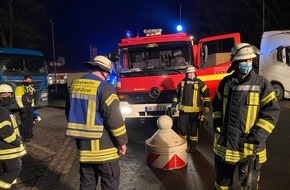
point(191, 69)
point(5, 88)
point(243, 51)
point(101, 61)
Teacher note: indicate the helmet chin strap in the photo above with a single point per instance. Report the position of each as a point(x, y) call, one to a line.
point(103, 74)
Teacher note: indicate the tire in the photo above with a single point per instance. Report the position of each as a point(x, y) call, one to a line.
point(279, 92)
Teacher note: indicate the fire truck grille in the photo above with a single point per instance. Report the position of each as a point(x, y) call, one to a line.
point(144, 98)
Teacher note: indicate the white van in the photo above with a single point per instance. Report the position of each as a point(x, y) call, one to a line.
point(275, 61)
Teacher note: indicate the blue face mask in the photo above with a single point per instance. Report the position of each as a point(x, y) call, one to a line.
point(245, 67)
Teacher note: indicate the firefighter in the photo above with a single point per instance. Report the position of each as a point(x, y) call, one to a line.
point(24, 96)
point(245, 112)
point(192, 97)
point(11, 147)
point(95, 121)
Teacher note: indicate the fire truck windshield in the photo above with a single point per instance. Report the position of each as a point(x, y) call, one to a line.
point(173, 56)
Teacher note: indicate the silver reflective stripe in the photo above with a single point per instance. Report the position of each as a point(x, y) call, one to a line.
point(255, 88)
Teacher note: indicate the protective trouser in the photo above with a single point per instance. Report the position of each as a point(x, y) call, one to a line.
point(109, 173)
point(26, 116)
point(188, 126)
point(224, 174)
point(11, 170)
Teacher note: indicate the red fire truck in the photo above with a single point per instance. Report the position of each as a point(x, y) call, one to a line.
point(150, 68)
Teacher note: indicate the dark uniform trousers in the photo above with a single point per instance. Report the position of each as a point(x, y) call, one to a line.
point(225, 174)
point(188, 123)
point(109, 173)
point(26, 116)
point(11, 170)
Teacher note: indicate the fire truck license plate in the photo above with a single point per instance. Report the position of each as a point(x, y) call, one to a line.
point(155, 108)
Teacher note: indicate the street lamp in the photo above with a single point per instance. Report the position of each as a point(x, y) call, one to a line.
point(53, 54)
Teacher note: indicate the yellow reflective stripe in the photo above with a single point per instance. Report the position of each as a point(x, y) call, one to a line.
point(217, 115)
point(262, 156)
point(111, 99)
point(266, 125)
point(93, 128)
point(97, 156)
point(268, 98)
point(85, 134)
point(204, 88)
point(11, 153)
point(189, 108)
point(4, 123)
point(175, 100)
point(14, 182)
point(206, 99)
point(248, 149)
point(183, 137)
point(11, 138)
point(192, 138)
point(195, 94)
point(253, 102)
point(219, 187)
point(118, 132)
point(5, 185)
point(91, 113)
point(212, 77)
point(95, 144)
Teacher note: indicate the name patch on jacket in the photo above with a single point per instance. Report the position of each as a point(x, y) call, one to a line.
point(85, 86)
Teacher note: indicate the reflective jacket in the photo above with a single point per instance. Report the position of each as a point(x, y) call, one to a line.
point(95, 120)
point(191, 94)
point(244, 115)
point(24, 96)
point(10, 141)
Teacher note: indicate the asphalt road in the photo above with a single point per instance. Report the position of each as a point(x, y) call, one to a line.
point(53, 157)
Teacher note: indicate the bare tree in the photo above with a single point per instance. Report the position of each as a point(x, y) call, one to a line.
point(20, 23)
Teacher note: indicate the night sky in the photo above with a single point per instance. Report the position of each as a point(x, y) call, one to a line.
point(79, 24)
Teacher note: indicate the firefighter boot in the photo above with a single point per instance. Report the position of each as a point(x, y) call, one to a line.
point(192, 146)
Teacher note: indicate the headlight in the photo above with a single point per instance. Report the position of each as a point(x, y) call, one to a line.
point(125, 110)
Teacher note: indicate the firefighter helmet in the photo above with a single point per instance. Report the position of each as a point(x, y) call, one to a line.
point(243, 51)
point(101, 61)
point(191, 69)
point(5, 88)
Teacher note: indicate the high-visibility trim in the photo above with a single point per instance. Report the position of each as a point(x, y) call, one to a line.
point(91, 113)
point(193, 138)
point(253, 102)
point(94, 128)
point(248, 149)
point(97, 156)
point(195, 95)
point(188, 108)
point(95, 145)
point(14, 182)
point(118, 132)
point(4, 123)
point(217, 115)
point(206, 99)
point(11, 138)
point(236, 156)
point(175, 100)
point(85, 86)
point(219, 187)
point(12, 153)
point(5, 185)
point(111, 99)
point(83, 134)
point(266, 125)
point(183, 136)
point(204, 88)
point(268, 98)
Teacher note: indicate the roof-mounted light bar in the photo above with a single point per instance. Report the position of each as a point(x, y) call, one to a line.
point(152, 32)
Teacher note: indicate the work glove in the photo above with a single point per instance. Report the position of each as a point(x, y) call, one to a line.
point(206, 110)
point(173, 107)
